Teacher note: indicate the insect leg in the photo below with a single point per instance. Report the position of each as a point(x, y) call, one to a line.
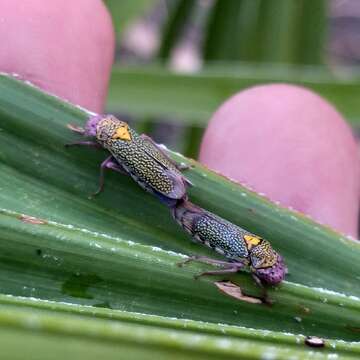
point(84, 143)
point(264, 295)
point(108, 163)
point(114, 165)
point(205, 260)
point(231, 267)
point(257, 280)
point(229, 270)
point(75, 128)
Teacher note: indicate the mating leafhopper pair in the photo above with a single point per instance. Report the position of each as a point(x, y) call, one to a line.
point(149, 165)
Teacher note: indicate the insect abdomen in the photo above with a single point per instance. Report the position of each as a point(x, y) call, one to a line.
point(206, 228)
point(222, 237)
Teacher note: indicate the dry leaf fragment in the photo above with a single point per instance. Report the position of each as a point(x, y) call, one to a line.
point(233, 290)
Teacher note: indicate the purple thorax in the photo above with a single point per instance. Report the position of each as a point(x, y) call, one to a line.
point(91, 124)
point(274, 274)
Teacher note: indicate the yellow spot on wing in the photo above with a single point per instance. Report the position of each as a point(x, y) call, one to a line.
point(122, 133)
point(252, 240)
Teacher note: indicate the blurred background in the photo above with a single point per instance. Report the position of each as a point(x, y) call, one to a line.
point(178, 60)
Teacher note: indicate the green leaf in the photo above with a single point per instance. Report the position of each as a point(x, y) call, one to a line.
point(45, 327)
point(280, 27)
point(222, 33)
point(312, 32)
point(120, 250)
point(285, 31)
point(192, 99)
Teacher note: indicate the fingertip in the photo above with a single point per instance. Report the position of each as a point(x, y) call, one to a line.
point(291, 144)
point(65, 49)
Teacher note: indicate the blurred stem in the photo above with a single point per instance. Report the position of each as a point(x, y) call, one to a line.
point(312, 37)
point(221, 37)
point(179, 15)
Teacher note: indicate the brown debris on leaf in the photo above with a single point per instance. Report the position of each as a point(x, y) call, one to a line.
point(304, 310)
point(32, 220)
point(233, 290)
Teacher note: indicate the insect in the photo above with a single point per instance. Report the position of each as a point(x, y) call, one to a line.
point(135, 155)
point(240, 247)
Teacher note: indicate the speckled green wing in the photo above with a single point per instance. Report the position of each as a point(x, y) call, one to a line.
point(171, 172)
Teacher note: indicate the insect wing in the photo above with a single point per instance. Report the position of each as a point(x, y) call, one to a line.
point(175, 176)
point(178, 189)
point(157, 154)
